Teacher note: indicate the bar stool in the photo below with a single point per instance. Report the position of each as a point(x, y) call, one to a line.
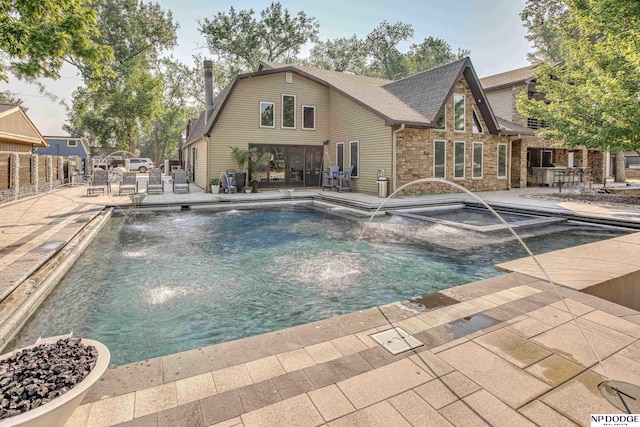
point(558, 178)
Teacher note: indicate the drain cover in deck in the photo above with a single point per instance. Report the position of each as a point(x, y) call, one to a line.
point(396, 340)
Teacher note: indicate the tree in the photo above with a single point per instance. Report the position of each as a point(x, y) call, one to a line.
point(432, 52)
point(592, 99)
point(116, 111)
point(37, 36)
point(547, 27)
point(161, 138)
point(387, 61)
point(341, 54)
point(8, 97)
point(238, 38)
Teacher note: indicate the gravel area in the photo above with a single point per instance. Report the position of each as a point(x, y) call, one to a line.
point(35, 376)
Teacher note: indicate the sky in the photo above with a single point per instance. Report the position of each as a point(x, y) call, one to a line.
point(490, 29)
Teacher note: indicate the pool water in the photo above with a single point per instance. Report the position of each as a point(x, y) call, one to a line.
point(473, 216)
point(159, 283)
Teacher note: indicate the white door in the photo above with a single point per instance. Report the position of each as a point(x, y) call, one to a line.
point(570, 160)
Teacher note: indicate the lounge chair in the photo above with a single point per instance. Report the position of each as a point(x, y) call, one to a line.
point(180, 182)
point(329, 179)
point(129, 183)
point(99, 182)
point(154, 184)
point(230, 184)
point(344, 180)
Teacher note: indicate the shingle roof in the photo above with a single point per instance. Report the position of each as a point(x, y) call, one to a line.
point(200, 127)
point(508, 78)
point(439, 81)
point(368, 91)
point(510, 128)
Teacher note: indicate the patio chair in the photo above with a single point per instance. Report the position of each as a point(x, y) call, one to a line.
point(129, 183)
point(230, 184)
point(154, 184)
point(330, 178)
point(344, 180)
point(180, 182)
point(99, 182)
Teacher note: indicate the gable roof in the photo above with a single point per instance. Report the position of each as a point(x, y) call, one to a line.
point(414, 101)
point(508, 78)
point(16, 133)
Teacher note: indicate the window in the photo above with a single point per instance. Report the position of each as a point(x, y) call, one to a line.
point(459, 112)
point(477, 127)
point(441, 122)
point(354, 150)
point(502, 160)
point(458, 155)
point(288, 111)
point(547, 158)
point(72, 143)
point(340, 155)
point(439, 158)
point(477, 160)
point(308, 117)
point(267, 110)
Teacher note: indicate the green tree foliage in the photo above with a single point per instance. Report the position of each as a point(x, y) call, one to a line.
point(547, 27)
point(160, 140)
point(382, 44)
point(37, 36)
point(118, 110)
point(593, 98)
point(238, 38)
point(431, 53)
point(341, 54)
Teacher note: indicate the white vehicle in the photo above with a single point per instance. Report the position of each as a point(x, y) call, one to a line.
point(140, 164)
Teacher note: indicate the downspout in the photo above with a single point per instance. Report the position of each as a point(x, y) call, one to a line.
point(207, 143)
point(510, 162)
point(393, 157)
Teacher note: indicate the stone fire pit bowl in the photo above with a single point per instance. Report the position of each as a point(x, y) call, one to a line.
point(58, 411)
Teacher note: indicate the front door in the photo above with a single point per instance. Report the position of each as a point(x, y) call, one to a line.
point(312, 166)
point(295, 166)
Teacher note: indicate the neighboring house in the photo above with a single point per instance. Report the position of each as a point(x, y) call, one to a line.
point(529, 152)
point(77, 149)
point(17, 132)
point(435, 124)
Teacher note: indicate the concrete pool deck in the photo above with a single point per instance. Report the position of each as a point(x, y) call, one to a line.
point(503, 351)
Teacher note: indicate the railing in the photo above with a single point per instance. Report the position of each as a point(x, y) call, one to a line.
point(536, 124)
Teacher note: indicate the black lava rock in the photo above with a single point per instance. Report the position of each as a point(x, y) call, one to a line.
point(35, 376)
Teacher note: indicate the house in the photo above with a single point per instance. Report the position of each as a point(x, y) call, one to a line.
point(530, 153)
point(434, 124)
point(18, 134)
point(76, 149)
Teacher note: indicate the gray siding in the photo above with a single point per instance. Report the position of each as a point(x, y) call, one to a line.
point(59, 147)
point(501, 102)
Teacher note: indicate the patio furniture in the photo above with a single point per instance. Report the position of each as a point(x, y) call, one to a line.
point(180, 182)
point(154, 184)
point(99, 182)
point(558, 178)
point(344, 180)
point(230, 184)
point(330, 178)
point(129, 183)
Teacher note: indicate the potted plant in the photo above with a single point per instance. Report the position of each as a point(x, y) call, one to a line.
point(215, 185)
point(255, 179)
point(241, 158)
point(79, 363)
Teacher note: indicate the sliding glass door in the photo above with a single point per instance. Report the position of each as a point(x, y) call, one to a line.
point(290, 165)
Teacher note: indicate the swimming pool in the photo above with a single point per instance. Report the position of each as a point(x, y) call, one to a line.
point(166, 281)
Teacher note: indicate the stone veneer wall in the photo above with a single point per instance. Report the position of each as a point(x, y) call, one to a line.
point(25, 174)
point(414, 154)
point(596, 160)
point(518, 164)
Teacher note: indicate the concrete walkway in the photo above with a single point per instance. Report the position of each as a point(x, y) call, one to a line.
point(503, 351)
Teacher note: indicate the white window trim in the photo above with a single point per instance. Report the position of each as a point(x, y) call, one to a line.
point(260, 115)
point(338, 144)
point(445, 158)
point(69, 141)
point(444, 113)
point(473, 144)
point(506, 161)
point(464, 159)
point(357, 142)
point(282, 126)
point(464, 113)
point(314, 116)
point(475, 114)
